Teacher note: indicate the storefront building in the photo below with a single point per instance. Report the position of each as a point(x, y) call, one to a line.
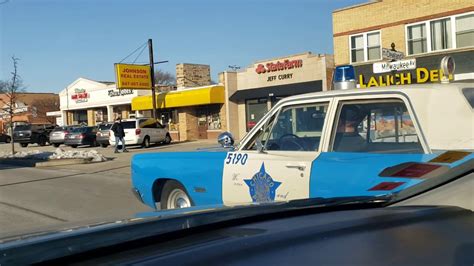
point(254, 90)
point(403, 42)
point(29, 108)
point(239, 99)
point(188, 113)
point(194, 110)
point(90, 102)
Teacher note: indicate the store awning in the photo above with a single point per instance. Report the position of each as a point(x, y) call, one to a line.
point(181, 98)
point(280, 90)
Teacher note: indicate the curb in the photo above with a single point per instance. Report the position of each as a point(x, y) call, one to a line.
point(59, 162)
point(39, 163)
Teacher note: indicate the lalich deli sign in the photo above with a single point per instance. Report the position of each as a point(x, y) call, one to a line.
point(401, 72)
point(279, 66)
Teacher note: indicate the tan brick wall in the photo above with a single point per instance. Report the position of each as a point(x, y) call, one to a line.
point(223, 116)
point(390, 11)
point(389, 16)
point(192, 75)
point(229, 79)
point(187, 124)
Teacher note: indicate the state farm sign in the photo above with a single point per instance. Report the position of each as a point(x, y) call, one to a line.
point(278, 66)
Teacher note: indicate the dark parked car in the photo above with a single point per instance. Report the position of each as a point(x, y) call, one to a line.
point(5, 138)
point(32, 133)
point(58, 134)
point(104, 134)
point(81, 136)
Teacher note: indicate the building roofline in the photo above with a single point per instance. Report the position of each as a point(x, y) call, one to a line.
point(356, 6)
point(21, 93)
point(309, 53)
point(193, 64)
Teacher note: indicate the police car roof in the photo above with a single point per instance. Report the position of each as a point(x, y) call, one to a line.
point(438, 108)
point(406, 89)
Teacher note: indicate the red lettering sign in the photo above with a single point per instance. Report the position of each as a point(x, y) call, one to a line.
point(278, 66)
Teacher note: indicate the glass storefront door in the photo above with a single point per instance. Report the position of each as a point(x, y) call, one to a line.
point(255, 109)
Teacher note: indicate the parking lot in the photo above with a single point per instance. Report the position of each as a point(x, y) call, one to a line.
point(33, 199)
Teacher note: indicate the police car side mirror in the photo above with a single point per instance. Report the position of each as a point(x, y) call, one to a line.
point(226, 140)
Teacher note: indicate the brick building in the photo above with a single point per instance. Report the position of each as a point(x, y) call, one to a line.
point(201, 110)
point(192, 75)
point(29, 108)
point(195, 110)
point(403, 41)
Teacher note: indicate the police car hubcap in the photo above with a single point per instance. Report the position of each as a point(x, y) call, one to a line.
point(178, 199)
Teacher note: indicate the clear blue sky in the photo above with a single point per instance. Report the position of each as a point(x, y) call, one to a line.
point(58, 41)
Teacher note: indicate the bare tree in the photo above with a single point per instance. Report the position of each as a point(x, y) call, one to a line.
point(10, 89)
point(164, 78)
point(42, 106)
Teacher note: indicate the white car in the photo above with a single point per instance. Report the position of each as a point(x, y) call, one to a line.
point(143, 131)
point(342, 143)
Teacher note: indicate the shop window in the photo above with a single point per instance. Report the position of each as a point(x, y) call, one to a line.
point(255, 110)
point(440, 34)
point(173, 124)
point(214, 121)
point(357, 48)
point(417, 39)
point(465, 31)
point(365, 47)
point(373, 46)
point(384, 127)
point(80, 117)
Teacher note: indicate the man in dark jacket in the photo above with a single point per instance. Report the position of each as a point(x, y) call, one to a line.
point(119, 133)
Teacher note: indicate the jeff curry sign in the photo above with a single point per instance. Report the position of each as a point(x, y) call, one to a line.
point(133, 76)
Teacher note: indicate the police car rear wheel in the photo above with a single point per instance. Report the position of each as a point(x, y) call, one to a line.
point(174, 196)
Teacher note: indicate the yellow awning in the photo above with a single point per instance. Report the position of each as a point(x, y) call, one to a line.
point(183, 98)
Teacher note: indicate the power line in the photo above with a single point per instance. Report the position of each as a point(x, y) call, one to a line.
point(139, 54)
point(141, 46)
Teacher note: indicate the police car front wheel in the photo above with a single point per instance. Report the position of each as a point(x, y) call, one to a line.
point(174, 196)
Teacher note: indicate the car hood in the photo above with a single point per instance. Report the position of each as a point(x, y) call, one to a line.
point(210, 213)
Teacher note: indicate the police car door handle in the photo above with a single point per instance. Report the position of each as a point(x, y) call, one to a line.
point(299, 166)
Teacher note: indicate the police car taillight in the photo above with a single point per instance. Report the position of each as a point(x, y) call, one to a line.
point(344, 78)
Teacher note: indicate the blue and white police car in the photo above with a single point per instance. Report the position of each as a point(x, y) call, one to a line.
point(340, 143)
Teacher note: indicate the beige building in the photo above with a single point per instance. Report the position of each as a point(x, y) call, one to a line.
point(403, 41)
point(254, 90)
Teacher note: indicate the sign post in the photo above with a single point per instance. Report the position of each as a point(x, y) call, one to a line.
point(152, 76)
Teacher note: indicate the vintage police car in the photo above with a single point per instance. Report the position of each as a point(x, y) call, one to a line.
point(326, 144)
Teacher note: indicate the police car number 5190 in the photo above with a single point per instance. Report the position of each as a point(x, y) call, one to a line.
point(236, 158)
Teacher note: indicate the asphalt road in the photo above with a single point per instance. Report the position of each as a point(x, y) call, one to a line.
point(37, 199)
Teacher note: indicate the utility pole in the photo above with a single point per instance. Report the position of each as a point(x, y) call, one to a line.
point(152, 74)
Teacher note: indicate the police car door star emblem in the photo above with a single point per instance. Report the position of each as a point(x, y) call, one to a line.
point(262, 187)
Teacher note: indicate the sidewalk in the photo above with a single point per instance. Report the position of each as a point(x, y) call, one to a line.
point(117, 161)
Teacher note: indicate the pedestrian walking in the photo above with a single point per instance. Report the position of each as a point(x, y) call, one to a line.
point(119, 134)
